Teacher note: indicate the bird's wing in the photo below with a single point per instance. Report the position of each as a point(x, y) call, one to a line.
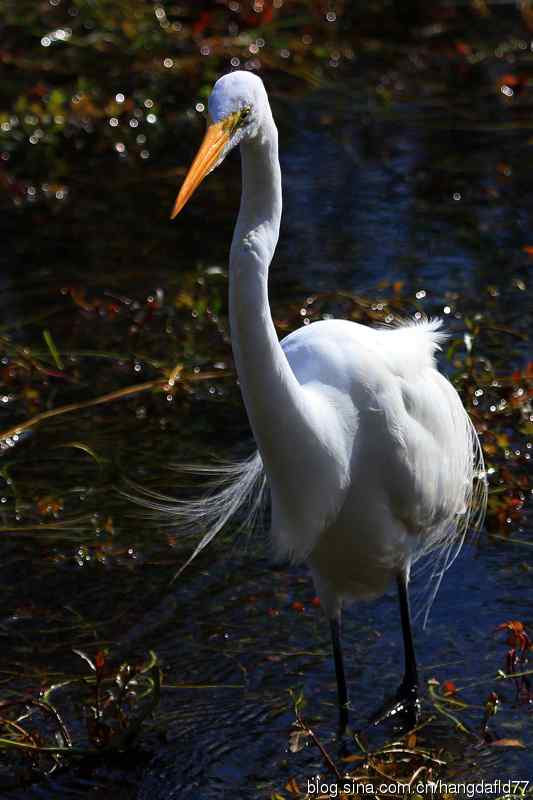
point(400, 431)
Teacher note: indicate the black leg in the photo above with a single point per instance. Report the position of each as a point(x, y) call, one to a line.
point(408, 691)
point(406, 705)
point(335, 626)
point(411, 675)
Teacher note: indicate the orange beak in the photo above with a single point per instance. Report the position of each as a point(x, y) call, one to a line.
point(216, 138)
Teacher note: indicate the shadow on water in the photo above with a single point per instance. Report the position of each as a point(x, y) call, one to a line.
point(432, 200)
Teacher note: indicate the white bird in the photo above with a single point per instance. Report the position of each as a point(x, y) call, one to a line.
point(369, 455)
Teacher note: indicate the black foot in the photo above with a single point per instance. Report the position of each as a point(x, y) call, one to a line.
point(405, 709)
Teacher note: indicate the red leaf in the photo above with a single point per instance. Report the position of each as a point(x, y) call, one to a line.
point(201, 24)
point(510, 80)
point(507, 743)
point(463, 48)
point(449, 688)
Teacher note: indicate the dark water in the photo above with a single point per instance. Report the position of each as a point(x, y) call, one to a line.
point(413, 195)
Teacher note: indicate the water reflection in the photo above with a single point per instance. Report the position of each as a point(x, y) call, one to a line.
point(419, 200)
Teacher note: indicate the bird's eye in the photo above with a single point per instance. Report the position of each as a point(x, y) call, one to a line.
point(244, 113)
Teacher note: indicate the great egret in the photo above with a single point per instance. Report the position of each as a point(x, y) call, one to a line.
point(369, 455)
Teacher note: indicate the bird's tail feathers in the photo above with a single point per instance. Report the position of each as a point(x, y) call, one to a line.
point(449, 538)
point(233, 492)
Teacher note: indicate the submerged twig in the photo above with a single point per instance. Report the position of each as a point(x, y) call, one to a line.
point(438, 705)
point(105, 398)
point(119, 394)
point(312, 735)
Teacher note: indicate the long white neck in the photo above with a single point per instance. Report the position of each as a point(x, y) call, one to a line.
point(295, 433)
point(269, 388)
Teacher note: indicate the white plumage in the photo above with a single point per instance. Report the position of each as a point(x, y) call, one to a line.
point(390, 473)
point(369, 455)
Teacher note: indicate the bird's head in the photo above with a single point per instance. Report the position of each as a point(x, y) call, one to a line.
point(237, 105)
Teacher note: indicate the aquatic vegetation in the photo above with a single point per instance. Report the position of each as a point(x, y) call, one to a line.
point(37, 738)
point(410, 763)
point(75, 523)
